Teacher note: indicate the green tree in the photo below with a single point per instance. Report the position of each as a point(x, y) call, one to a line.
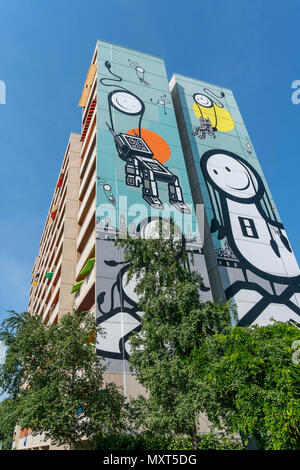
point(149, 441)
point(174, 323)
point(8, 420)
point(57, 378)
point(252, 383)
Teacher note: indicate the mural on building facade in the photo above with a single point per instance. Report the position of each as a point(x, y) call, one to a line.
point(140, 71)
point(142, 168)
point(257, 267)
point(244, 215)
point(161, 101)
point(107, 189)
point(121, 317)
point(141, 177)
point(211, 114)
point(117, 307)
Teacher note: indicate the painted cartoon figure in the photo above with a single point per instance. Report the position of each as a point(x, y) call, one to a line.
point(204, 128)
point(120, 321)
point(162, 101)
point(107, 189)
point(244, 214)
point(119, 314)
point(211, 114)
point(118, 311)
point(140, 71)
point(141, 168)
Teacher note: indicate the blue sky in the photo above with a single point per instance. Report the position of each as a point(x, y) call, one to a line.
point(250, 47)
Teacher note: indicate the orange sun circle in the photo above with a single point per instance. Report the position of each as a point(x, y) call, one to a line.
point(155, 142)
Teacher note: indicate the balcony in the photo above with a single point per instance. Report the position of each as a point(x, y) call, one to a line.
point(89, 193)
point(85, 253)
point(89, 174)
point(87, 227)
point(53, 293)
point(86, 155)
point(86, 290)
point(53, 314)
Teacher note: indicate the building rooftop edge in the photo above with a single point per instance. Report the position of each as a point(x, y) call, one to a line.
point(130, 48)
point(198, 80)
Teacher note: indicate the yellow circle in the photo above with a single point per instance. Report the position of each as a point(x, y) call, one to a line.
point(225, 122)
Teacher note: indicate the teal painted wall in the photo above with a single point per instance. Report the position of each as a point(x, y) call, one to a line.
point(133, 93)
point(119, 71)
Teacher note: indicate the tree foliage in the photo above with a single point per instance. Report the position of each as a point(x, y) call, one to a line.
point(150, 441)
point(174, 323)
point(58, 378)
point(252, 384)
point(187, 356)
point(8, 421)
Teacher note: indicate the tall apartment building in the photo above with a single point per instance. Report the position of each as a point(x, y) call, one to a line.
point(54, 268)
point(148, 150)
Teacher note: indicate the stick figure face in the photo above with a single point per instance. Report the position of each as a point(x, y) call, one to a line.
point(232, 176)
point(126, 102)
point(203, 100)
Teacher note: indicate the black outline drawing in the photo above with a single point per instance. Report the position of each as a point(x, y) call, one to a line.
point(221, 224)
point(140, 71)
point(131, 310)
point(162, 101)
point(107, 189)
point(141, 168)
point(205, 126)
point(125, 303)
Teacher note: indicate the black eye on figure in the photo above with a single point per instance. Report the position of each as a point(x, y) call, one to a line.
point(215, 172)
point(228, 169)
